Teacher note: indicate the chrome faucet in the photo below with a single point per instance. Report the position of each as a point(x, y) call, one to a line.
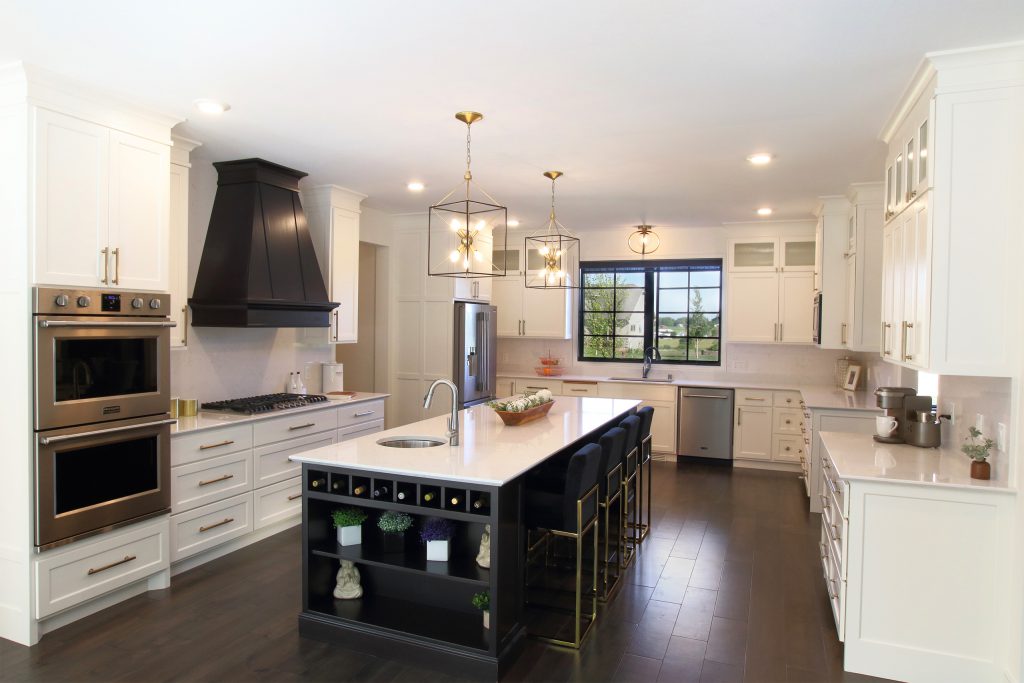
point(453, 419)
point(650, 353)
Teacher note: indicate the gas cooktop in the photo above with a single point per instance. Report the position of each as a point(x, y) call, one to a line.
point(252, 405)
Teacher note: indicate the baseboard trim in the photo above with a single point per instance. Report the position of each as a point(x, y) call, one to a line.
point(773, 466)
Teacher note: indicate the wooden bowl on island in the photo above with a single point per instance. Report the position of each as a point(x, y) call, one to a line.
point(515, 419)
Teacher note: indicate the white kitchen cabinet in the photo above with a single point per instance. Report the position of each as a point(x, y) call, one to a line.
point(531, 313)
point(797, 254)
point(333, 215)
point(752, 308)
point(752, 435)
point(178, 229)
point(754, 255)
point(769, 426)
point(477, 289)
point(796, 308)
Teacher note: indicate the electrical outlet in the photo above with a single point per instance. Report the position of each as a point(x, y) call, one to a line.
point(1001, 437)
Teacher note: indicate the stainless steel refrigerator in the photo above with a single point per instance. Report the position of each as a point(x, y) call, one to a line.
point(475, 361)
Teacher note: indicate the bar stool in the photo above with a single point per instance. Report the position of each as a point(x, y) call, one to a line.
point(613, 449)
point(646, 415)
point(571, 514)
point(630, 500)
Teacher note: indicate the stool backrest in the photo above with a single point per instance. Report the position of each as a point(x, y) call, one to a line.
point(632, 426)
point(581, 476)
point(646, 415)
point(613, 450)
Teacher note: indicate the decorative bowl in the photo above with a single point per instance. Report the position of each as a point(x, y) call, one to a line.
point(547, 360)
point(550, 370)
point(515, 419)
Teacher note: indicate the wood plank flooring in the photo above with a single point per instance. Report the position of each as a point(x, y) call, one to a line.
point(727, 588)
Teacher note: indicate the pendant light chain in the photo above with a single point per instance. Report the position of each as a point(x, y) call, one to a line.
point(552, 199)
point(469, 158)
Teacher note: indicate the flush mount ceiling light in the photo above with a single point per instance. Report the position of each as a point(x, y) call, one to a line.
point(415, 186)
point(760, 158)
point(643, 240)
point(211, 107)
point(513, 223)
point(461, 232)
point(764, 211)
point(552, 253)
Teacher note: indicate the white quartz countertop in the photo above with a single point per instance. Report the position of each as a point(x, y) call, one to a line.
point(821, 396)
point(488, 451)
point(858, 456)
point(211, 419)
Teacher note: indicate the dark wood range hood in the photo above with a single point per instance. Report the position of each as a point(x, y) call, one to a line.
point(259, 267)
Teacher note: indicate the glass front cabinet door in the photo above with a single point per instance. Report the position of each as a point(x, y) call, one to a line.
point(755, 255)
point(798, 254)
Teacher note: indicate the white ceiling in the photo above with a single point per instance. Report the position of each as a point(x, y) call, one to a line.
point(648, 107)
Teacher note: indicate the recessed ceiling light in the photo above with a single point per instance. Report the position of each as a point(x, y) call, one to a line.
point(760, 158)
point(415, 186)
point(513, 223)
point(764, 211)
point(211, 107)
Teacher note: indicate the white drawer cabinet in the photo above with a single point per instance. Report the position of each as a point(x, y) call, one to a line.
point(285, 427)
point(788, 421)
point(88, 569)
point(577, 388)
point(210, 525)
point(271, 463)
point(786, 399)
point(208, 443)
point(206, 481)
point(360, 412)
point(769, 426)
point(277, 502)
point(787, 448)
point(355, 431)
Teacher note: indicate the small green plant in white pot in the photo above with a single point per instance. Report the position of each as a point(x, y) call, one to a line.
point(978, 453)
point(349, 523)
point(394, 525)
point(482, 601)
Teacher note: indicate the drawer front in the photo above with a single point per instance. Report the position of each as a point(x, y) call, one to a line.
point(787, 399)
point(788, 421)
point(534, 384)
point(279, 501)
point(204, 482)
point(787, 448)
point(355, 431)
point(210, 525)
point(210, 443)
point(641, 392)
point(293, 426)
point(90, 568)
point(570, 388)
point(271, 463)
point(361, 412)
point(753, 397)
point(833, 486)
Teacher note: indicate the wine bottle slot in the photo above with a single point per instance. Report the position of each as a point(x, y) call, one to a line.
point(359, 490)
point(381, 491)
point(315, 483)
point(479, 503)
point(455, 501)
point(428, 496)
point(401, 495)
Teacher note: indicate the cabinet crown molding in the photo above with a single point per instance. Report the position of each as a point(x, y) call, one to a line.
point(832, 204)
point(335, 195)
point(866, 193)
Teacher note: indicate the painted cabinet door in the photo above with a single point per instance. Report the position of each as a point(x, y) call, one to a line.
point(796, 307)
point(178, 275)
point(889, 324)
point(345, 275)
point(919, 313)
point(507, 296)
point(71, 200)
point(663, 427)
point(851, 319)
point(754, 255)
point(753, 307)
point(545, 313)
point(798, 255)
point(138, 232)
point(752, 436)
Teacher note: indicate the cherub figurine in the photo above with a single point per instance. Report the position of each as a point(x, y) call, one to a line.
point(483, 558)
point(348, 587)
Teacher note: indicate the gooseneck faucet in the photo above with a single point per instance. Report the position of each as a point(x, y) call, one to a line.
point(453, 419)
point(650, 353)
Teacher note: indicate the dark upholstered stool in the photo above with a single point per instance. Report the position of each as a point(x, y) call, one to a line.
point(571, 514)
point(630, 499)
point(646, 415)
point(613, 452)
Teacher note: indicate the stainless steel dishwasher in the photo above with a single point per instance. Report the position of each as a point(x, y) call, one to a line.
point(705, 423)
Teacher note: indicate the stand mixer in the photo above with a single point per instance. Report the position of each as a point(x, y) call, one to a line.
point(915, 424)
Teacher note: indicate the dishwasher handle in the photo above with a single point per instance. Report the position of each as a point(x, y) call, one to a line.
point(724, 398)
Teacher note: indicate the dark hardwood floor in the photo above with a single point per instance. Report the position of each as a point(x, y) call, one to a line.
point(727, 588)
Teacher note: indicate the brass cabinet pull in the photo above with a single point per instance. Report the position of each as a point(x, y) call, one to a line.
point(117, 266)
point(843, 333)
point(106, 264)
point(580, 391)
point(214, 481)
point(216, 445)
point(831, 595)
point(184, 313)
point(303, 426)
point(885, 339)
point(364, 413)
point(294, 496)
point(739, 416)
point(903, 340)
point(907, 356)
point(750, 398)
point(335, 324)
point(97, 570)
point(227, 520)
point(782, 335)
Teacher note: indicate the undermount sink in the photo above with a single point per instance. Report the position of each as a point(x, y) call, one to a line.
point(412, 442)
point(661, 380)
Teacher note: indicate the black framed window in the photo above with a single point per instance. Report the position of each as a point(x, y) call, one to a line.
point(674, 306)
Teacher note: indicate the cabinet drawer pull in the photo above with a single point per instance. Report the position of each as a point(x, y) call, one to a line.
point(304, 426)
point(106, 265)
point(214, 481)
point(831, 595)
point(751, 398)
point(364, 414)
point(222, 522)
point(208, 446)
point(117, 266)
point(294, 496)
point(580, 391)
point(97, 570)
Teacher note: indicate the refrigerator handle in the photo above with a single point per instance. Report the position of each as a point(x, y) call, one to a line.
point(482, 329)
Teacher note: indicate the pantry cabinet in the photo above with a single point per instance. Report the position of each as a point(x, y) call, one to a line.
point(178, 227)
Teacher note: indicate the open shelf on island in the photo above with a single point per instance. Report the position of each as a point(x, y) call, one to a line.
point(431, 623)
point(412, 559)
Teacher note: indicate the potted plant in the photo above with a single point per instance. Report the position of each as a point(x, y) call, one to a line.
point(978, 453)
point(394, 524)
point(437, 533)
point(349, 523)
point(482, 601)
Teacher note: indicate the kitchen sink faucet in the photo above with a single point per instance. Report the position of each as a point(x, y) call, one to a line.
point(651, 353)
point(453, 419)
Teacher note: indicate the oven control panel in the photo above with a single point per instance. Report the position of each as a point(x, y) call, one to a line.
point(61, 301)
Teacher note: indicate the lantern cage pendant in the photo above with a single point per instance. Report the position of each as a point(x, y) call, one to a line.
point(643, 240)
point(552, 253)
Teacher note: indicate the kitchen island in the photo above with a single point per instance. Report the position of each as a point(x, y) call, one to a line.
point(410, 607)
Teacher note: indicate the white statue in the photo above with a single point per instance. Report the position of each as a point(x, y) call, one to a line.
point(483, 558)
point(348, 587)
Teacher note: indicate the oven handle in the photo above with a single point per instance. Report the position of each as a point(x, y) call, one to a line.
point(83, 323)
point(47, 440)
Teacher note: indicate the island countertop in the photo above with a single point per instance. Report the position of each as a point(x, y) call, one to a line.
point(488, 451)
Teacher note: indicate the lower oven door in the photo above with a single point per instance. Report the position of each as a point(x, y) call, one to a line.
point(91, 479)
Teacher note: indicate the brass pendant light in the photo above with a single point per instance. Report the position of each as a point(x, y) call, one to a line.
point(643, 240)
point(552, 253)
point(461, 233)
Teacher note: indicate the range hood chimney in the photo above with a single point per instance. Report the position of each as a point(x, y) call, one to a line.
point(259, 268)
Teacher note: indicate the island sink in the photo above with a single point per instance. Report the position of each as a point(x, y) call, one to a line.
point(411, 442)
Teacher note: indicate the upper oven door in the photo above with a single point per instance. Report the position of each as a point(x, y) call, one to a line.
point(97, 369)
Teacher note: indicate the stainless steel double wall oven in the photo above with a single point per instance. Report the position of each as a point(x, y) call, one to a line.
point(102, 393)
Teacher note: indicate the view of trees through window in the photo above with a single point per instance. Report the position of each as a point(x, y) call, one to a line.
point(674, 306)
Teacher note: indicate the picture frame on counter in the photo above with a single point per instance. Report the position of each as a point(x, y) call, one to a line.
point(852, 377)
